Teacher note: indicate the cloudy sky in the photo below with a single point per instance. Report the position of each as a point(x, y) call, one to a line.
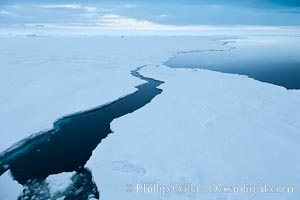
point(154, 14)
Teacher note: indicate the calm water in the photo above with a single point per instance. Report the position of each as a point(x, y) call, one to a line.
point(274, 60)
point(70, 144)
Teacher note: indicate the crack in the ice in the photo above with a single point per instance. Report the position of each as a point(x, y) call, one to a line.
point(52, 152)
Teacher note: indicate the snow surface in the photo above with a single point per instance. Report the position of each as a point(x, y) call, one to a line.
point(45, 78)
point(9, 189)
point(205, 128)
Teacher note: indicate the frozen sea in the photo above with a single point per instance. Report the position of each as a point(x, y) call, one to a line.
point(206, 129)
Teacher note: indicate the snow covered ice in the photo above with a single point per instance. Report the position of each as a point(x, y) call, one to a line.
point(45, 78)
point(204, 128)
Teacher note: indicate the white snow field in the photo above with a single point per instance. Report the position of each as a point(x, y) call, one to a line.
point(205, 127)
